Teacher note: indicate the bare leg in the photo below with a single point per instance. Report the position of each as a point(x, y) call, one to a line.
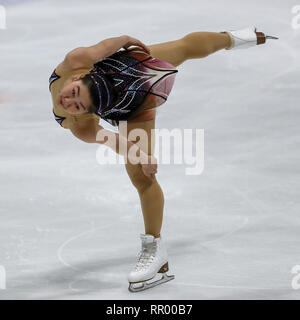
point(149, 190)
point(192, 46)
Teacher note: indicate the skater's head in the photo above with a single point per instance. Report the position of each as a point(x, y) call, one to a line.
point(79, 95)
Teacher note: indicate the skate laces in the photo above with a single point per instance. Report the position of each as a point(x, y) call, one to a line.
point(146, 256)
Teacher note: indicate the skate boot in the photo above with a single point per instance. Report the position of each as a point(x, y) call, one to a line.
point(246, 38)
point(153, 260)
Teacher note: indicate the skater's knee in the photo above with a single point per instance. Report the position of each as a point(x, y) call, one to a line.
point(182, 49)
point(197, 45)
point(138, 178)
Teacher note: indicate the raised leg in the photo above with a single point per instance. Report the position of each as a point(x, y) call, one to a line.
point(192, 46)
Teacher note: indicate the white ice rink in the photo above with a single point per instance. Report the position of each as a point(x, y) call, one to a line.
point(69, 227)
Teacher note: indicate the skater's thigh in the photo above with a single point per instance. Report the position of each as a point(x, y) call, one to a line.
point(140, 132)
point(146, 141)
point(173, 52)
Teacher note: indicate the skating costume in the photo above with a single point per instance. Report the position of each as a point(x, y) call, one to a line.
point(130, 84)
point(53, 78)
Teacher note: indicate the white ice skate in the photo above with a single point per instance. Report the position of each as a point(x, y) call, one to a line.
point(246, 38)
point(153, 260)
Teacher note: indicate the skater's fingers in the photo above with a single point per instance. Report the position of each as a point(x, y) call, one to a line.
point(135, 42)
point(149, 175)
point(144, 47)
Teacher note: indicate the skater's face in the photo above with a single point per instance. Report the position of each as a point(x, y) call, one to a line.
point(74, 98)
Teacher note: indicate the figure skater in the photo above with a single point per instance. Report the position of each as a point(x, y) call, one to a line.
point(119, 83)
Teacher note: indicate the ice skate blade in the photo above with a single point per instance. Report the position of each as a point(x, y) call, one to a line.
point(141, 286)
point(271, 37)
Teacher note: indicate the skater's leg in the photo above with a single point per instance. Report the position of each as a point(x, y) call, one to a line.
point(149, 190)
point(192, 46)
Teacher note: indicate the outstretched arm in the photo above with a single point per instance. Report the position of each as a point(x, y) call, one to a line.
point(92, 132)
point(86, 57)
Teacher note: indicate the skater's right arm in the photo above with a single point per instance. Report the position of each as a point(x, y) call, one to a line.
point(92, 132)
point(86, 57)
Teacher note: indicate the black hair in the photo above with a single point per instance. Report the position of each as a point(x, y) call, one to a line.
point(87, 80)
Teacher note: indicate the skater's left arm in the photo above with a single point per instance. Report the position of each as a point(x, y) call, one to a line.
point(86, 57)
point(92, 132)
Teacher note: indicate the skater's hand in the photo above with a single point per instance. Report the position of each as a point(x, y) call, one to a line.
point(135, 42)
point(149, 166)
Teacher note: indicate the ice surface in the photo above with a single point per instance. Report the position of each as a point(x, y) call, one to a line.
point(70, 227)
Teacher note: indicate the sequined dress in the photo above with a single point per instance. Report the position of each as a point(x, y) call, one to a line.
point(132, 82)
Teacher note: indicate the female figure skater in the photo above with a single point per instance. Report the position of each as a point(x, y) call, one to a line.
point(127, 85)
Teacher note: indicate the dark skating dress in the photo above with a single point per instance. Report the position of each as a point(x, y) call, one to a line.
point(130, 84)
